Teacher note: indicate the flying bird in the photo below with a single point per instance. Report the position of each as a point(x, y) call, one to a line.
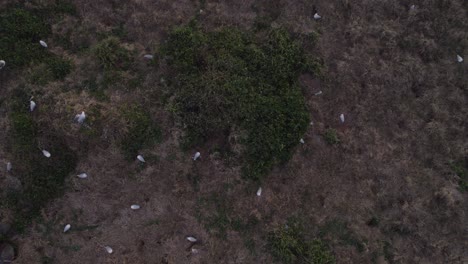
point(191, 239)
point(459, 58)
point(80, 118)
point(66, 228)
point(108, 249)
point(140, 158)
point(32, 105)
point(46, 153)
point(135, 207)
point(2, 64)
point(196, 156)
point(8, 166)
point(259, 191)
point(43, 44)
point(82, 175)
point(342, 118)
point(148, 56)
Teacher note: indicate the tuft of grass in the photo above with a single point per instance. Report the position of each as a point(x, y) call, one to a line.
point(331, 137)
point(53, 69)
point(288, 244)
point(229, 81)
point(462, 172)
point(112, 55)
point(339, 230)
point(142, 131)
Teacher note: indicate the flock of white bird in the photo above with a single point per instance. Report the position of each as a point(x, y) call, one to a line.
point(80, 118)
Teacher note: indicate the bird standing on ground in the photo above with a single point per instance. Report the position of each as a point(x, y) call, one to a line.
point(43, 44)
point(459, 58)
point(196, 156)
point(2, 64)
point(80, 118)
point(140, 158)
point(46, 153)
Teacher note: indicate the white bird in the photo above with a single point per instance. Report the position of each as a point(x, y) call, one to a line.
point(8, 166)
point(259, 191)
point(140, 158)
point(32, 105)
point(135, 207)
point(2, 64)
point(82, 175)
point(46, 153)
point(108, 249)
point(66, 228)
point(191, 239)
point(194, 251)
point(317, 16)
point(302, 141)
point(311, 123)
point(318, 93)
point(196, 156)
point(342, 118)
point(412, 7)
point(43, 44)
point(148, 56)
point(80, 118)
point(459, 58)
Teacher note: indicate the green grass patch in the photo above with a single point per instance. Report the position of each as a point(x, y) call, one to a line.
point(22, 28)
point(112, 55)
point(331, 136)
point(230, 81)
point(339, 230)
point(288, 244)
point(53, 68)
point(142, 131)
point(462, 172)
point(41, 178)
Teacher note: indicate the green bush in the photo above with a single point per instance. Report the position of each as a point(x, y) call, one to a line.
point(288, 245)
point(229, 81)
point(20, 33)
point(462, 173)
point(331, 137)
point(141, 131)
point(59, 67)
point(112, 55)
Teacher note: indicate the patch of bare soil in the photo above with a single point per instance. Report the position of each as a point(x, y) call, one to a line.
point(391, 70)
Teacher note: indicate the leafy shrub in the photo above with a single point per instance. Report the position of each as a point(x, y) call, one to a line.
point(462, 173)
point(54, 68)
point(112, 55)
point(20, 33)
point(288, 245)
point(228, 81)
point(141, 131)
point(331, 137)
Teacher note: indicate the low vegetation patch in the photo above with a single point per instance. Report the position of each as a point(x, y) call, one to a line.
point(462, 173)
point(229, 81)
point(331, 136)
point(288, 244)
point(142, 131)
point(41, 178)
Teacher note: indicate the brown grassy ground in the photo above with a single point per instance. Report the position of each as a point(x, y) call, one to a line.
point(391, 71)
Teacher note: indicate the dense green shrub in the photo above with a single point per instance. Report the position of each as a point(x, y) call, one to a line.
point(141, 131)
point(331, 136)
point(288, 245)
point(112, 55)
point(231, 82)
point(20, 33)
